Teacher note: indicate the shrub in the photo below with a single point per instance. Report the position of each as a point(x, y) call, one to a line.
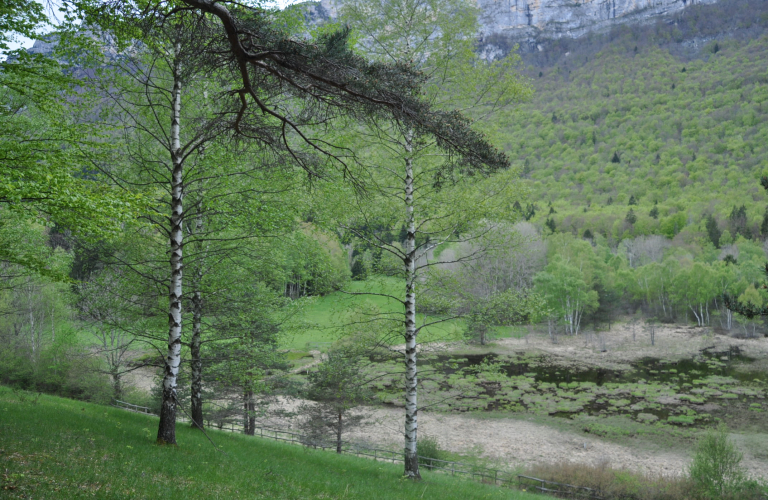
point(429, 450)
point(716, 468)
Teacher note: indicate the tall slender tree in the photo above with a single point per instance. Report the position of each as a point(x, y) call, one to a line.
point(282, 89)
point(434, 37)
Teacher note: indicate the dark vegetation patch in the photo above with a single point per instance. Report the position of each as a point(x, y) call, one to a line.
point(687, 392)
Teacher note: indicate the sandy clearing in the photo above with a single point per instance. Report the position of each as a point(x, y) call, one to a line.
point(512, 442)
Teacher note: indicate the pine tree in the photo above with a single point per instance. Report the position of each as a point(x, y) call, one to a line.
point(654, 213)
point(616, 158)
point(588, 234)
point(550, 224)
point(632, 200)
point(631, 218)
point(530, 211)
point(764, 224)
point(713, 231)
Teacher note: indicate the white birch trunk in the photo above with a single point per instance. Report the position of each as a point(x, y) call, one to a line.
point(693, 309)
point(166, 433)
point(411, 409)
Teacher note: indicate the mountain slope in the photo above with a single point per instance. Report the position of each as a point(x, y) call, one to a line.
point(690, 135)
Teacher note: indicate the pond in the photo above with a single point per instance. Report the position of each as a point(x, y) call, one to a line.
point(686, 392)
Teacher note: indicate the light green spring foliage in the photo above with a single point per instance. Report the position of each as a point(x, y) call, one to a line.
point(437, 38)
point(47, 149)
point(695, 148)
point(716, 467)
point(46, 166)
point(20, 18)
point(680, 282)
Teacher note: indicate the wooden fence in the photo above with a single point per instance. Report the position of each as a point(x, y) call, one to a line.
point(555, 489)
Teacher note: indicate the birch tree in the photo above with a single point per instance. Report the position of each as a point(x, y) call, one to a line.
point(567, 293)
point(157, 94)
point(436, 38)
point(282, 91)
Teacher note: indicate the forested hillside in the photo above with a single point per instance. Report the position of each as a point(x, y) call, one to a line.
point(635, 126)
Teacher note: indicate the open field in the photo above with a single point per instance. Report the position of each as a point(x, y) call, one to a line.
point(327, 314)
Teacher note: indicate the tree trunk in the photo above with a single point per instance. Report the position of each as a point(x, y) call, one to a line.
point(251, 414)
point(166, 432)
point(117, 384)
point(246, 420)
point(338, 434)
point(196, 395)
point(411, 409)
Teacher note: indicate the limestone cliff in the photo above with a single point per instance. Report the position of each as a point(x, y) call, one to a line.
point(531, 19)
point(572, 18)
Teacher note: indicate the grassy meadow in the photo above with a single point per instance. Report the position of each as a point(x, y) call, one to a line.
point(324, 318)
point(58, 448)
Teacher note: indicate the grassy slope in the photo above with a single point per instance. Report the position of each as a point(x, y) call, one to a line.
point(59, 448)
point(691, 135)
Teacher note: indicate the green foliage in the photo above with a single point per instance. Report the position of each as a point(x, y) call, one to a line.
point(336, 386)
point(623, 132)
point(716, 467)
point(713, 232)
point(631, 218)
point(48, 149)
point(20, 17)
point(429, 448)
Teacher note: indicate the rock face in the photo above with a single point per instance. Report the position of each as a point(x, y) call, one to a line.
point(531, 19)
point(572, 18)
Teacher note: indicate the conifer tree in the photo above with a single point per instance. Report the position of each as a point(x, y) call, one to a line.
point(654, 213)
point(713, 232)
point(764, 224)
point(750, 309)
point(631, 218)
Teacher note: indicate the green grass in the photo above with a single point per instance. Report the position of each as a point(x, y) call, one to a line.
point(57, 448)
point(326, 314)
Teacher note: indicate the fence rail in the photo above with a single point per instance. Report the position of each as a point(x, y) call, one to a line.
point(132, 407)
point(482, 474)
point(558, 489)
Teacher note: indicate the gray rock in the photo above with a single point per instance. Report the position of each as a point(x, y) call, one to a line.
point(531, 20)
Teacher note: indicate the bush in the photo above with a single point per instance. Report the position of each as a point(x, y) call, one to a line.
point(716, 469)
point(429, 450)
